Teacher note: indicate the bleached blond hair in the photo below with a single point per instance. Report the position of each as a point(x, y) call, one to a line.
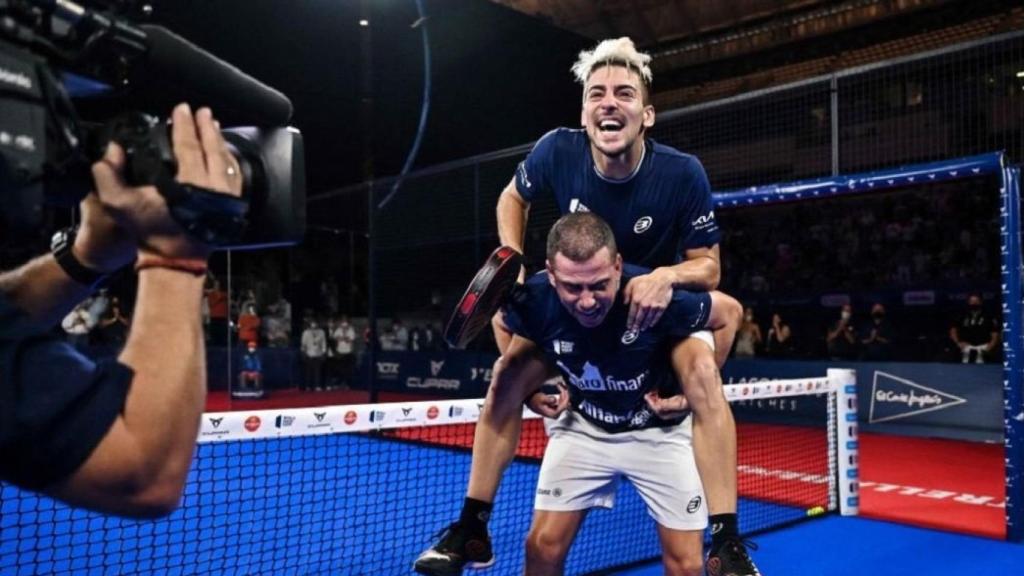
point(619, 51)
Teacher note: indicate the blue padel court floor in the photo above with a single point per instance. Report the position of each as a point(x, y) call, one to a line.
point(836, 546)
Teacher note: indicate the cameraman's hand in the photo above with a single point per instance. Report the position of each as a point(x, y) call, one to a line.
point(203, 160)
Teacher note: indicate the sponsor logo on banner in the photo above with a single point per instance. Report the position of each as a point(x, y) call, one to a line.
point(407, 415)
point(438, 383)
point(283, 421)
point(643, 224)
point(454, 411)
point(435, 367)
point(351, 417)
point(835, 300)
point(215, 424)
point(388, 369)
point(252, 423)
point(377, 416)
point(483, 374)
point(919, 298)
point(893, 398)
point(432, 412)
point(320, 421)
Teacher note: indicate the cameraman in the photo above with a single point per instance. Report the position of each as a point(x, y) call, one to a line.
point(113, 436)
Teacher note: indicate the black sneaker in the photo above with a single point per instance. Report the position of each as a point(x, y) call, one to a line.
point(457, 549)
point(732, 559)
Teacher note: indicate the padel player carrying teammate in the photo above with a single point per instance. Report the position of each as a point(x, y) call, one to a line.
point(574, 316)
point(657, 201)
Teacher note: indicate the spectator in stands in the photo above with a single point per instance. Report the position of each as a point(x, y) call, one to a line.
point(749, 337)
point(399, 335)
point(877, 336)
point(343, 337)
point(780, 339)
point(277, 323)
point(975, 334)
point(113, 326)
point(249, 324)
point(251, 375)
point(217, 300)
point(314, 351)
point(77, 324)
point(841, 337)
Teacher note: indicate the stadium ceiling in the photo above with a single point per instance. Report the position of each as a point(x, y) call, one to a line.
point(680, 33)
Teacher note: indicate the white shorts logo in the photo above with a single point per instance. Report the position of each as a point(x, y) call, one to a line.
point(643, 224)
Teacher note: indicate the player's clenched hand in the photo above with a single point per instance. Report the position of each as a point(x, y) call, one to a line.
point(667, 408)
point(549, 405)
point(647, 297)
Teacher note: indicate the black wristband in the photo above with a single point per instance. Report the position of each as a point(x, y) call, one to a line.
point(60, 246)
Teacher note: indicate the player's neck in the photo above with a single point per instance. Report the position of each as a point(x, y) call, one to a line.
point(621, 167)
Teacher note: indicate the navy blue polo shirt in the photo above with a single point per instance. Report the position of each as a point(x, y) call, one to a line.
point(608, 369)
point(55, 404)
point(656, 214)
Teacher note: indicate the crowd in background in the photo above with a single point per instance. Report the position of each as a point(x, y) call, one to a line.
point(874, 278)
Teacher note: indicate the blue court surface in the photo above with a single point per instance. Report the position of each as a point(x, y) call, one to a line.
point(836, 546)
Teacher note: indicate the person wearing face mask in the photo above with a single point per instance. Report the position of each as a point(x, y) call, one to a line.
point(841, 338)
point(877, 336)
point(250, 379)
point(975, 334)
point(749, 337)
point(314, 351)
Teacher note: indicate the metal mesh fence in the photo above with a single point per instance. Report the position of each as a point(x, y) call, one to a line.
point(435, 231)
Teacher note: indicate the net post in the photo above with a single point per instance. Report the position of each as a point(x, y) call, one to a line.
point(1013, 344)
point(844, 383)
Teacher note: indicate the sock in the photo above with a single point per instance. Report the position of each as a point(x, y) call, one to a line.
point(724, 527)
point(475, 514)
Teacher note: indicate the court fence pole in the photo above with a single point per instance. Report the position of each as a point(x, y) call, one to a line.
point(1013, 357)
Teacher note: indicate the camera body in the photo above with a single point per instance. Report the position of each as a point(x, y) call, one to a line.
point(46, 150)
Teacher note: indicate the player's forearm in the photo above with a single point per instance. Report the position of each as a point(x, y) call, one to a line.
point(165, 350)
point(701, 274)
point(42, 289)
point(512, 213)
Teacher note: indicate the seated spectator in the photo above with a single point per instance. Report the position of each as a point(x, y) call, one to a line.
point(975, 334)
point(749, 337)
point(780, 339)
point(841, 338)
point(877, 338)
point(251, 375)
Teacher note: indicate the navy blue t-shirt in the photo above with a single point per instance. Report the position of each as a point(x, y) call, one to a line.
point(55, 404)
point(656, 215)
point(608, 369)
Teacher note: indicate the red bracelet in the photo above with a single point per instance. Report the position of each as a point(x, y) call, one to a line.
point(191, 266)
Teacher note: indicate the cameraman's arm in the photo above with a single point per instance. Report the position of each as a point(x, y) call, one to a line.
point(140, 465)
